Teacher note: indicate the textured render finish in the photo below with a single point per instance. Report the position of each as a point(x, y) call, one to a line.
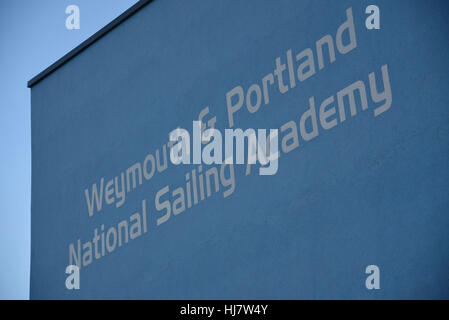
point(372, 190)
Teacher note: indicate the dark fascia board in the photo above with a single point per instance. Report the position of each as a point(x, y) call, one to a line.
point(98, 35)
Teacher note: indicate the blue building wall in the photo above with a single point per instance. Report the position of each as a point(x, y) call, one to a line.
point(371, 190)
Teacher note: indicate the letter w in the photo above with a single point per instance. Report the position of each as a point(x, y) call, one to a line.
point(248, 309)
point(98, 199)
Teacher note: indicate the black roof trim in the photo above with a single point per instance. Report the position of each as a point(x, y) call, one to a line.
point(114, 23)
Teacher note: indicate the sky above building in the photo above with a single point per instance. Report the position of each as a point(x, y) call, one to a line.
point(33, 35)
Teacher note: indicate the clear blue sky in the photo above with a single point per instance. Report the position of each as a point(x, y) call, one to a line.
point(32, 36)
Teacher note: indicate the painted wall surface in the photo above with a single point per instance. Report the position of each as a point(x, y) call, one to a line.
point(369, 190)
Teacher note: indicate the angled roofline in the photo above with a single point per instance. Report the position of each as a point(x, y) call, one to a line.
point(87, 43)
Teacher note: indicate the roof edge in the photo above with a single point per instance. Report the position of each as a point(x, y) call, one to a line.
point(87, 43)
